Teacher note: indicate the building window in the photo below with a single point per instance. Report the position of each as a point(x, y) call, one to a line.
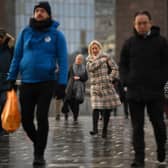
point(82, 38)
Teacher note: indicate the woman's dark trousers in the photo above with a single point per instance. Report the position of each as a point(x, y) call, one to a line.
point(106, 117)
point(35, 100)
point(155, 113)
point(125, 105)
point(74, 105)
point(95, 118)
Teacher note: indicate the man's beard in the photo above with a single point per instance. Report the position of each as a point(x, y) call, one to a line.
point(40, 25)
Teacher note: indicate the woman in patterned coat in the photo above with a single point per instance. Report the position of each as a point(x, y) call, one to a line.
point(102, 70)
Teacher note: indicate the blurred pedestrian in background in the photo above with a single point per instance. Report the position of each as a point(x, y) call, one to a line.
point(75, 91)
point(6, 54)
point(122, 93)
point(57, 96)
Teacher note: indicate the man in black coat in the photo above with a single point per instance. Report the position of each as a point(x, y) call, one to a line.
point(6, 53)
point(143, 70)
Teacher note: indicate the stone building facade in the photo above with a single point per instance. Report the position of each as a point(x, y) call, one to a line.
point(105, 22)
point(7, 15)
point(112, 19)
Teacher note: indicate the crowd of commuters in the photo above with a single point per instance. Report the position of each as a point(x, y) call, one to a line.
point(40, 58)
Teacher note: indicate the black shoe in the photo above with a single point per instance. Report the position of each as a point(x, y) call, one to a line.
point(126, 117)
point(138, 164)
point(66, 117)
point(75, 122)
point(39, 160)
point(93, 132)
point(161, 154)
point(75, 119)
point(57, 117)
point(104, 134)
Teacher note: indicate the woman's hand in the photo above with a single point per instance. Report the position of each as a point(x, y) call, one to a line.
point(104, 59)
point(76, 77)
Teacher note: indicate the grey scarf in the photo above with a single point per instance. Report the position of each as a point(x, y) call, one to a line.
point(78, 89)
point(78, 69)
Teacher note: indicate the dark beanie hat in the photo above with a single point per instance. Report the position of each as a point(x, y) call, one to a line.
point(45, 5)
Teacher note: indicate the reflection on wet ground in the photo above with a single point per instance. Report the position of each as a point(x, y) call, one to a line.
point(71, 146)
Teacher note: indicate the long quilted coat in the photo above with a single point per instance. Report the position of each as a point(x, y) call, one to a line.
point(102, 92)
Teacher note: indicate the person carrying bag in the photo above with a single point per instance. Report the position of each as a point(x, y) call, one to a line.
point(11, 117)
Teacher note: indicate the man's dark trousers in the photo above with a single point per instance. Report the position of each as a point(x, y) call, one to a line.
point(155, 113)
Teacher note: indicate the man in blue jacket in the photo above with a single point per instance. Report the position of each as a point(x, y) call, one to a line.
point(38, 48)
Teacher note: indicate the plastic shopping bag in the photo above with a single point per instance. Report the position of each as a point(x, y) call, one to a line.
point(11, 117)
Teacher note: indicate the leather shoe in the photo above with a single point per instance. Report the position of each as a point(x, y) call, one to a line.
point(161, 154)
point(104, 134)
point(39, 160)
point(93, 132)
point(137, 164)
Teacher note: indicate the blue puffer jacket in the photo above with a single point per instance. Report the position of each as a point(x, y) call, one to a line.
point(36, 54)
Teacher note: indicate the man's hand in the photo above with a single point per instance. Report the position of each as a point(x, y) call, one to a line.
point(12, 85)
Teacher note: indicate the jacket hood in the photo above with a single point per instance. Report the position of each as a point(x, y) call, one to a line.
point(55, 24)
point(155, 31)
point(43, 25)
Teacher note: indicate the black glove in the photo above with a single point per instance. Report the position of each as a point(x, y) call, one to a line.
point(12, 85)
point(60, 91)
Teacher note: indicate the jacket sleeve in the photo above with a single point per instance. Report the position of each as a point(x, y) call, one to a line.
point(62, 57)
point(124, 64)
point(164, 60)
point(113, 67)
point(18, 53)
point(94, 65)
point(84, 77)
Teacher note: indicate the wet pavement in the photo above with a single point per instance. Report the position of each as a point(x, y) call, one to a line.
point(71, 146)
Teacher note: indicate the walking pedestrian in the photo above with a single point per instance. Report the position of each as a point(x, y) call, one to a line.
point(103, 95)
point(75, 91)
point(143, 70)
point(58, 97)
point(38, 48)
point(6, 54)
